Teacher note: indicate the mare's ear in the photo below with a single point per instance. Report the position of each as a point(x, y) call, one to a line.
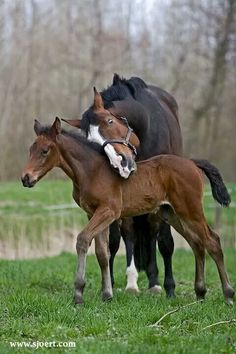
point(73, 122)
point(98, 102)
point(37, 127)
point(116, 79)
point(55, 128)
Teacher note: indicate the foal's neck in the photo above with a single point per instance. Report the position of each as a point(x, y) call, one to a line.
point(80, 161)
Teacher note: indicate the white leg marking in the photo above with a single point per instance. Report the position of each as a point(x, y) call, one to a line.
point(132, 277)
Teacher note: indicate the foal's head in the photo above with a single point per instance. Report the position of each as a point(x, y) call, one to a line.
point(113, 133)
point(44, 154)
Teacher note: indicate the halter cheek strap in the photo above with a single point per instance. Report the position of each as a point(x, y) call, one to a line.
point(125, 141)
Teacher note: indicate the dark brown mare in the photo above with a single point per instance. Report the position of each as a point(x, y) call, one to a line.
point(152, 113)
point(165, 180)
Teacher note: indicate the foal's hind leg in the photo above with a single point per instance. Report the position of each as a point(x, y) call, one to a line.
point(214, 249)
point(102, 253)
point(194, 236)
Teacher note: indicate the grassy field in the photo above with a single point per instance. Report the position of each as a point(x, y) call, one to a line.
point(36, 305)
point(34, 218)
point(36, 295)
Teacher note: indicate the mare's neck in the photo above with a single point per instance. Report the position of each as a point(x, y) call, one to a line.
point(135, 113)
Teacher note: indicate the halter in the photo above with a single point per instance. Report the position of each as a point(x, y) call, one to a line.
point(125, 141)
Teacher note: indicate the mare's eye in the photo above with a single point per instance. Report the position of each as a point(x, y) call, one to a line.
point(45, 152)
point(110, 121)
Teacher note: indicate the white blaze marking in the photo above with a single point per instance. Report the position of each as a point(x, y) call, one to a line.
point(115, 159)
point(132, 277)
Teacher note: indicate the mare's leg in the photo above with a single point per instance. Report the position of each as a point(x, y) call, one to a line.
point(145, 249)
point(152, 270)
point(102, 253)
point(214, 249)
point(114, 243)
point(166, 248)
point(128, 236)
point(101, 219)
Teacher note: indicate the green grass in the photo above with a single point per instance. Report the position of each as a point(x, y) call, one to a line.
point(36, 305)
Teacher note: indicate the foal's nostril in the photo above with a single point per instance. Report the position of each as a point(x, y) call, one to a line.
point(25, 179)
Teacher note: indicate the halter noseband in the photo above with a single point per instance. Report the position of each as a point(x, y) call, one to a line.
point(125, 141)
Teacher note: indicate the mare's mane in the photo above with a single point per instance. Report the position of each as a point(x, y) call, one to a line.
point(120, 89)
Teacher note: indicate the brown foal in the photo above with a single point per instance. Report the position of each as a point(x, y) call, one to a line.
point(168, 187)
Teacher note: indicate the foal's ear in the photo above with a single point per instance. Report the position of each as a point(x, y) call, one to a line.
point(73, 122)
point(55, 128)
point(37, 127)
point(98, 102)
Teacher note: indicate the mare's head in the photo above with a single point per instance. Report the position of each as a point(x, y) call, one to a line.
point(43, 153)
point(111, 132)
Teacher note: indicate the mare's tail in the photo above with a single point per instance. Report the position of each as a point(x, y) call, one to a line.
point(219, 190)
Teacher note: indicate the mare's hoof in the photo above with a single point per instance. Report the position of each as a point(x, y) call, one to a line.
point(170, 295)
point(107, 296)
point(78, 300)
point(134, 290)
point(156, 290)
point(200, 298)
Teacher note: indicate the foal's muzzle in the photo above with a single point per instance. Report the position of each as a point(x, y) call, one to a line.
point(28, 181)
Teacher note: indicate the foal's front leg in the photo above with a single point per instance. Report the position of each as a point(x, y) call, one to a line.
point(100, 220)
point(102, 253)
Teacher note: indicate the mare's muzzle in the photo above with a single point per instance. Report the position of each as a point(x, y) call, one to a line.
point(128, 162)
point(128, 166)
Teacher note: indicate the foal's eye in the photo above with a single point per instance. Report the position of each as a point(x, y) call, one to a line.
point(110, 121)
point(44, 152)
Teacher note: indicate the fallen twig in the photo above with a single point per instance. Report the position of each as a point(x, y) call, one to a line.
point(233, 320)
point(172, 311)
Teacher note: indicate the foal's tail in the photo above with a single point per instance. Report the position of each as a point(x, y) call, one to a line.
point(219, 190)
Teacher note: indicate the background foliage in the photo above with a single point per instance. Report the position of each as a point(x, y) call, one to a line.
point(52, 53)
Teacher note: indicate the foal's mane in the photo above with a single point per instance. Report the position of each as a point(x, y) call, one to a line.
point(78, 137)
point(120, 89)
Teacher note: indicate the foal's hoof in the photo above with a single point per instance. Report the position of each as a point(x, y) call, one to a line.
point(229, 295)
point(134, 290)
point(107, 296)
point(155, 290)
